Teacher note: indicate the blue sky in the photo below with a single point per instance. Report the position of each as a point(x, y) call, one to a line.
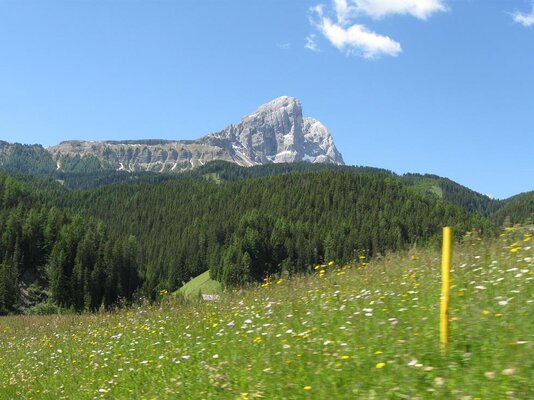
point(429, 86)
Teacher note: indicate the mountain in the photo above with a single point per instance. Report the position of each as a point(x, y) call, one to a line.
point(516, 209)
point(276, 132)
point(444, 188)
point(25, 159)
point(245, 229)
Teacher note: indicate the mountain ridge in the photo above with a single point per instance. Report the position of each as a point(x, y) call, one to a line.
point(276, 132)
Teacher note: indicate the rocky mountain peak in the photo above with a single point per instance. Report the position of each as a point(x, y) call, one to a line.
point(276, 132)
point(290, 104)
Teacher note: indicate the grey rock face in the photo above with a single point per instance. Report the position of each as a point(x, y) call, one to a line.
point(276, 132)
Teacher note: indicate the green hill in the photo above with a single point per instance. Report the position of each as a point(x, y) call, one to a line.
point(241, 224)
point(516, 209)
point(452, 192)
point(246, 229)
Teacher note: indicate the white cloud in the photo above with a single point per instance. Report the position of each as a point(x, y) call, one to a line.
point(421, 9)
point(524, 19)
point(311, 44)
point(358, 39)
point(339, 27)
point(343, 10)
point(284, 46)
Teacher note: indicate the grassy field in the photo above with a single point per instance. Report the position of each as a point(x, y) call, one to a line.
point(368, 331)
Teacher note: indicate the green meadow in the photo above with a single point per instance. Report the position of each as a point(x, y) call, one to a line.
point(363, 331)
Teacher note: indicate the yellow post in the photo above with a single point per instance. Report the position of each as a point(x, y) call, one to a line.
point(445, 285)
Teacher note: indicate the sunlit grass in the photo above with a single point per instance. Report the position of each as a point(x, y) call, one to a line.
point(363, 331)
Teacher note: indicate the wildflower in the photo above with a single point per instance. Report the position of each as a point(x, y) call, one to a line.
point(307, 388)
point(486, 312)
point(508, 371)
point(439, 381)
point(380, 365)
point(489, 375)
point(331, 263)
point(345, 357)
point(257, 340)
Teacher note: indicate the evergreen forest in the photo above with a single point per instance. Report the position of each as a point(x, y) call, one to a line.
point(133, 236)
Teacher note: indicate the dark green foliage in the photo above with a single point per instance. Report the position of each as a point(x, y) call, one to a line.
point(247, 229)
point(26, 159)
point(43, 247)
point(517, 209)
point(432, 185)
point(87, 164)
point(91, 180)
point(87, 249)
point(231, 172)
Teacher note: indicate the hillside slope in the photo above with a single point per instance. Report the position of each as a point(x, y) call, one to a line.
point(351, 332)
point(516, 209)
point(245, 229)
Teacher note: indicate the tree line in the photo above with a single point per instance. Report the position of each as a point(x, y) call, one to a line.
point(49, 256)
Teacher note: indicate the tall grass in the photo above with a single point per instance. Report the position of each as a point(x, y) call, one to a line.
point(366, 331)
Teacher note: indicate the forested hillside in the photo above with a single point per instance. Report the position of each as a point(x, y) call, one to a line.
point(86, 248)
point(244, 230)
point(49, 257)
point(516, 209)
point(452, 192)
